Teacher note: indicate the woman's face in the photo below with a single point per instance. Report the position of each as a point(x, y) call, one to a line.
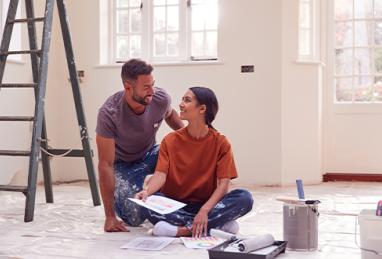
point(190, 108)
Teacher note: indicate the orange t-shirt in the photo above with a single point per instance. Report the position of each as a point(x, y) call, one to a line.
point(194, 165)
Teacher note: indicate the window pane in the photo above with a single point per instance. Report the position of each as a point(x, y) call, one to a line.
point(344, 89)
point(159, 18)
point(343, 9)
point(378, 60)
point(378, 8)
point(173, 44)
point(173, 18)
point(197, 46)
point(122, 48)
point(344, 34)
point(135, 20)
point(122, 21)
point(198, 17)
point(305, 15)
point(363, 8)
point(362, 33)
point(362, 61)
point(304, 42)
point(135, 46)
point(159, 45)
point(122, 3)
point(363, 90)
point(211, 44)
point(212, 17)
point(378, 32)
point(377, 93)
point(173, 2)
point(344, 61)
point(135, 3)
point(159, 2)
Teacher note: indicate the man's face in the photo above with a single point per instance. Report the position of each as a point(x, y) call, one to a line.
point(142, 89)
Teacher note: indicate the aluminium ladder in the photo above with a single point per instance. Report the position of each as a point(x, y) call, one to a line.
point(39, 62)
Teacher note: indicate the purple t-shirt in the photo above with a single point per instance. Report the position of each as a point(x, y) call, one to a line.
point(134, 135)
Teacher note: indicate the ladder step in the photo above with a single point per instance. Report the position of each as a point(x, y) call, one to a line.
point(14, 153)
point(72, 153)
point(16, 118)
point(33, 51)
point(38, 19)
point(18, 85)
point(13, 188)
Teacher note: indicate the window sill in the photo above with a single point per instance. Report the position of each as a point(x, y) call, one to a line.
point(309, 62)
point(357, 108)
point(167, 64)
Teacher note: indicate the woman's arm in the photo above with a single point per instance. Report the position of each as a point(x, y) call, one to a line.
point(155, 183)
point(199, 226)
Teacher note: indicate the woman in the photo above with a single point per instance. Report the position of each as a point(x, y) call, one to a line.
point(195, 166)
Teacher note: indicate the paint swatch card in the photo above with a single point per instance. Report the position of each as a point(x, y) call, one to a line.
point(148, 243)
point(160, 204)
point(201, 242)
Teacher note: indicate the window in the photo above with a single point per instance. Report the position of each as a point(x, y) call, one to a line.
point(160, 30)
point(15, 43)
point(358, 51)
point(308, 48)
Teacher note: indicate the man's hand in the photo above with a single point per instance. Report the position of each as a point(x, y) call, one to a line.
point(112, 224)
point(142, 195)
point(199, 226)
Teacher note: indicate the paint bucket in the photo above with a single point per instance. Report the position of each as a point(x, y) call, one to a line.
point(370, 227)
point(301, 226)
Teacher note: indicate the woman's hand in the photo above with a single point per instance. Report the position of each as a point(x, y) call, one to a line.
point(142, 195)
point(199, 226)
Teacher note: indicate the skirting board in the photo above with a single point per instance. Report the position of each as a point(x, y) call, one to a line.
point(331, 177)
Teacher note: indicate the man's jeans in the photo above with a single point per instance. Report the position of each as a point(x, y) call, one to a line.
point(129, 178)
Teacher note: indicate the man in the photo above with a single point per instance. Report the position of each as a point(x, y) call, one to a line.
point(126, 129)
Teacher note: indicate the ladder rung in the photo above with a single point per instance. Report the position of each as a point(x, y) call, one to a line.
point(38, 19)
point(72, 153)
point(33, 51)
point(18, 85)
point(13, 188)
point(16, 118)
point(14, 153)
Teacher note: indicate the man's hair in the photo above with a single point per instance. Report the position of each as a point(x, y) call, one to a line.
point(134, 68)
point(207, 97)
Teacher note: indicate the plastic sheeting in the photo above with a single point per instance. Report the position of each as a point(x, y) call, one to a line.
point(73, 228)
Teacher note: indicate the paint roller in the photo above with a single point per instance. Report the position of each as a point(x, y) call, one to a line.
point(255, 243)
point(246, 245)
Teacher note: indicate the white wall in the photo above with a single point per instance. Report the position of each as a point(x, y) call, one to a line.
point(272, 117)
point(250, 103)
point(301, 107)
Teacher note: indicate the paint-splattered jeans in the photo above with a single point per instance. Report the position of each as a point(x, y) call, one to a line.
point(129, 178)
point(234, 204)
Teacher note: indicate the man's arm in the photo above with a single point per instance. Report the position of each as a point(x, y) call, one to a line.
point(174, 121)
point(106, 154)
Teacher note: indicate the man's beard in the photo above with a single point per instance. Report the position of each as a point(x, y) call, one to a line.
point(140, 100)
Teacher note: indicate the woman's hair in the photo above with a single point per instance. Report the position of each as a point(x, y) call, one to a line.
point(207, 97)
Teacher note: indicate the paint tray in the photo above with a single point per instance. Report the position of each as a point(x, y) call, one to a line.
point(223, 251)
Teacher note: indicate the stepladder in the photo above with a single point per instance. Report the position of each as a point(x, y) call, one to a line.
point(39, 58)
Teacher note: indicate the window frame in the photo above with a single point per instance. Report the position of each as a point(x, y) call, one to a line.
point(147, 36)
point(314, 31)
point(352, 106)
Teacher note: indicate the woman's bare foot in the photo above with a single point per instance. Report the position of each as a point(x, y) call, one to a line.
point(183, 232)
